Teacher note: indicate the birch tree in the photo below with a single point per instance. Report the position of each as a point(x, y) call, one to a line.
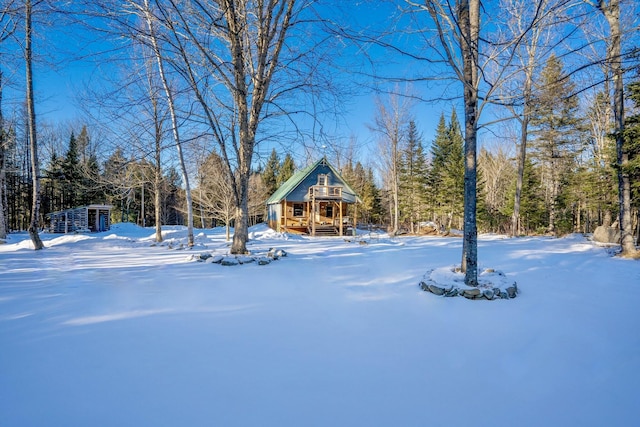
point(171, 105)
point(391, 120)
point(31, 129)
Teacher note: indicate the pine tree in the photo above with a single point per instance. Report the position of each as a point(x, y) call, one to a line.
point(439, 155)
point(375, 209)
point(412, 177)
point(454, 180)
point(555, 125)
point(286, 169)
point(632, 144)
point(117, 183)
point(82, 143)
point(534, 215)
point(271, 172)
point(72, 175)
point(447, 171)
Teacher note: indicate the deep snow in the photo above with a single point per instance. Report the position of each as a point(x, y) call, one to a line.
point(109, 330)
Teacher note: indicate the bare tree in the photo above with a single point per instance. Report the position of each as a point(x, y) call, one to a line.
point(497, 175)
point(158, 118)
point(390, 123)
point(215, 192)
point(481, 65)
point(31, 124)
point(150, 21)
point(611, 11)
point(458, 29)
point(231, 72)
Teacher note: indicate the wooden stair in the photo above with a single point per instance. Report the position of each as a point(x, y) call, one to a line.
point(326, 230)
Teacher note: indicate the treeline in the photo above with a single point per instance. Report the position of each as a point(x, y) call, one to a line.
point(569, 176)
point(569, 183)
point(193, 106)
point(78, 177)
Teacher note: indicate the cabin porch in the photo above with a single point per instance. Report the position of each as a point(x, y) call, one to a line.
point(320, 217)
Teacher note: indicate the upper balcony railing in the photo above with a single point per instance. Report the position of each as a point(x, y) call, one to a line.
point(325, 192)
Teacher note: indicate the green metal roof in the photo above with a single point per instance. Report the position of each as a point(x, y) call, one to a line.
point(295, 180)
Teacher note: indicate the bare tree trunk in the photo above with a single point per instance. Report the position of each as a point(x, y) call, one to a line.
point(469, 15)
point(174, 122)
point(157, 172)
point(531, 50)
point(249, 105)
point(33, 143)
point(3, 176)
point(522, 155)
point(241, 229)
point(614, 58)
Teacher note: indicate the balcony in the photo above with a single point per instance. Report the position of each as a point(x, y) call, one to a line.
point(317, 192)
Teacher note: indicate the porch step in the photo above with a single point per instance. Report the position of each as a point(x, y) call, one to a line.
point(324, 230)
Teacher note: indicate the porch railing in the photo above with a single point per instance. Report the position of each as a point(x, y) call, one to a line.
point(325, 192)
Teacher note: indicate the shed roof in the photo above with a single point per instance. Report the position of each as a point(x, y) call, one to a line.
point(297, 178)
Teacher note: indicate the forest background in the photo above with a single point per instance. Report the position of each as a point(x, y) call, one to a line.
point(137, 107)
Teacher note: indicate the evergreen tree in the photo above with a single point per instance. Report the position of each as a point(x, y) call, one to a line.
point(117, 184)
point(534, 215)
point(372, 199)
point(454, 180)
point(447, 171)
point(271, 172)
point(82, 144)
point(632, 143)
point(439, 155)
point(412, 177)
point(72, 175)
point(555, 126)
point(286, 169)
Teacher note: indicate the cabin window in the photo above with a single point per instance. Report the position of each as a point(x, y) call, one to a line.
point(298, 209)
point(322, 179)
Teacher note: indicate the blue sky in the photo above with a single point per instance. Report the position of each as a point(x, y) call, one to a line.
point(57, 86)
point(59, 78)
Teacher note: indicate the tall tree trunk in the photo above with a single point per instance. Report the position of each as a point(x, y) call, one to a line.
point(612, 13)
point(3, 176)
point(396, 186)
point(157, 176)
point(469, 15)
point(522, 155)
point(33, 143)
point(241, 229)
point(174, 122)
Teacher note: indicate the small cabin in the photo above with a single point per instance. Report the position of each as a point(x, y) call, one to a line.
point(314, 201)
point(83, 219)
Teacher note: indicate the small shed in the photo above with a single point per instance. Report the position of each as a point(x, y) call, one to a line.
point(83, 219)
point(315, 201)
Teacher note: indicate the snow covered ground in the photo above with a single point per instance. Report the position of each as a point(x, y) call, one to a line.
point(109, 330)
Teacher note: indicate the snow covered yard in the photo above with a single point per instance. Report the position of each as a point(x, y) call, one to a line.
point(108, 330)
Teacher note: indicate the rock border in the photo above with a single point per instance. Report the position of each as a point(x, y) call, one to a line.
point(449, 282)
point(272, 254)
